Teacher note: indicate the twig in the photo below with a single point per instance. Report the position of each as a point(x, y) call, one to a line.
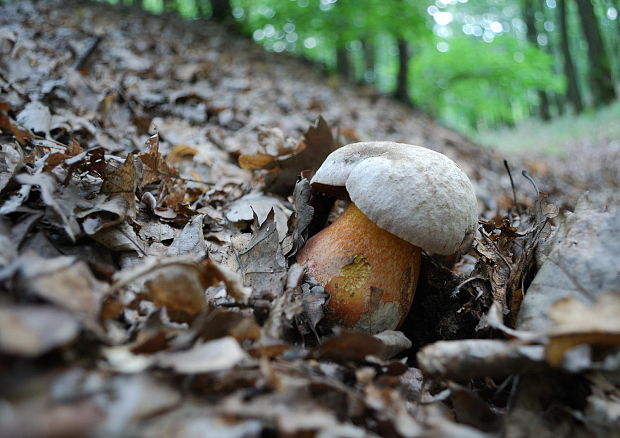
point(538, 204)
point(512, 184)
point(84, 58)
point(457, 289)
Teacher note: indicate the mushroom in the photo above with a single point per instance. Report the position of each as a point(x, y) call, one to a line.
point(404, 198)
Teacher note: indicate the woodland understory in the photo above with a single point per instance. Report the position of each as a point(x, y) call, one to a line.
point(153, 195)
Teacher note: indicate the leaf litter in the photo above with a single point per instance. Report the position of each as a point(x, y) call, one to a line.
point(152, 206)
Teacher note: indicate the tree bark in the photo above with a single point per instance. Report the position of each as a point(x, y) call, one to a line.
point(601, 82)
point(532, 36)
point(572, 86)
point(402, 93)
point(369, 61)
point(344, 65)
point(221, 10)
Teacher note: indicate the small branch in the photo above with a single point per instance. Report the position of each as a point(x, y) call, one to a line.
point(512, 184)
point(84, 58)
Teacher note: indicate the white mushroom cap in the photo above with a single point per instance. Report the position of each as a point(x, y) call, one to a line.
point(415, 193)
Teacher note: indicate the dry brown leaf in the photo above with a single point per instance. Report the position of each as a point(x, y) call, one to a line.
point(11, 160)
point(33, 330)
point(232, 280)
point(22, 136)
point(577, 323)
point(66, 282)
point(217, 355)
point(155, 166)
point(178, 288)
point(190, 240)
point(318, 143)
point(122, 183)
point(262, 261)
point(256, 161)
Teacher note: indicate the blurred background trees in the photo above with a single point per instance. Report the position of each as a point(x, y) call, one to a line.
point(477, 64)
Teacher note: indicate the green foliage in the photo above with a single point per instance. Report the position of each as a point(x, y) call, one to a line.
point(479, 84)
point(471, 64)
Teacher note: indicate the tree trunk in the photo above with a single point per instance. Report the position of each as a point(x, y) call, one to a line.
point(221, 10)
point(532, 36)
point(344, 65)
point(402, 93)
point(601, 81)
point(203, 7)
point(369, 61)
point(170, 5)
point(572, 86)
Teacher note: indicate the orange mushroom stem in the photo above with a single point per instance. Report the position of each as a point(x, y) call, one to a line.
point(369, 273)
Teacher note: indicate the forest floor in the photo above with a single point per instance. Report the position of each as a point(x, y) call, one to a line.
point(146, 160)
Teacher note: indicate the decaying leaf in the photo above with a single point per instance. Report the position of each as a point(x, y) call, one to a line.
point(155, 166)
point(66, 282)
point(217, 355)
point(479, 358)
point(317, 144)
point(244, 209)
point(33, 330)
point(48, 187)
point(10, 162)
point(122, 183)
point(262, 261)
point(36, 117)
point(576, 323)
point(581, 264)
point(178, 288)
point(190, 240)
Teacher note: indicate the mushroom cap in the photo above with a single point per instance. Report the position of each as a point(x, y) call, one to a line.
point(415, 193)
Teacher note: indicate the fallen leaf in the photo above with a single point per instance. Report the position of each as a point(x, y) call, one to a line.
point(190, 241)
point(11, 160)
point(262, 262)
point(66, 282)
point(122, 183)
point(217, 355)
point(30, 330)
point(36, 117)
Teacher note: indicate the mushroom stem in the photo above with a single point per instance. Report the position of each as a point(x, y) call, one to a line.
point(369, 273)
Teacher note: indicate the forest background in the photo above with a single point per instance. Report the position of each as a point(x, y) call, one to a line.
point(478, 66)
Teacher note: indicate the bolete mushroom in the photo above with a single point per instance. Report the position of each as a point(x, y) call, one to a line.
point(404, 198)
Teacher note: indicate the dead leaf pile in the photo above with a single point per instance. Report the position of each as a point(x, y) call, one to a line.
point(151, 207)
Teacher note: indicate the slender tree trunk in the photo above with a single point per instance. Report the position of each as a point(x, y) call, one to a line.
point(203, 7)
point(532, 36)
point(572, 86)
point(402, 93)
point(344, 66)
point(170, 5)
point(221, 10)
point(369, 61)
point(601, 81)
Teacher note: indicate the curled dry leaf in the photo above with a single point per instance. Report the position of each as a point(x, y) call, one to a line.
point(122, 183)
point(22, 135)
point(155, 166)
point(318, 143)
point(576, 323)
